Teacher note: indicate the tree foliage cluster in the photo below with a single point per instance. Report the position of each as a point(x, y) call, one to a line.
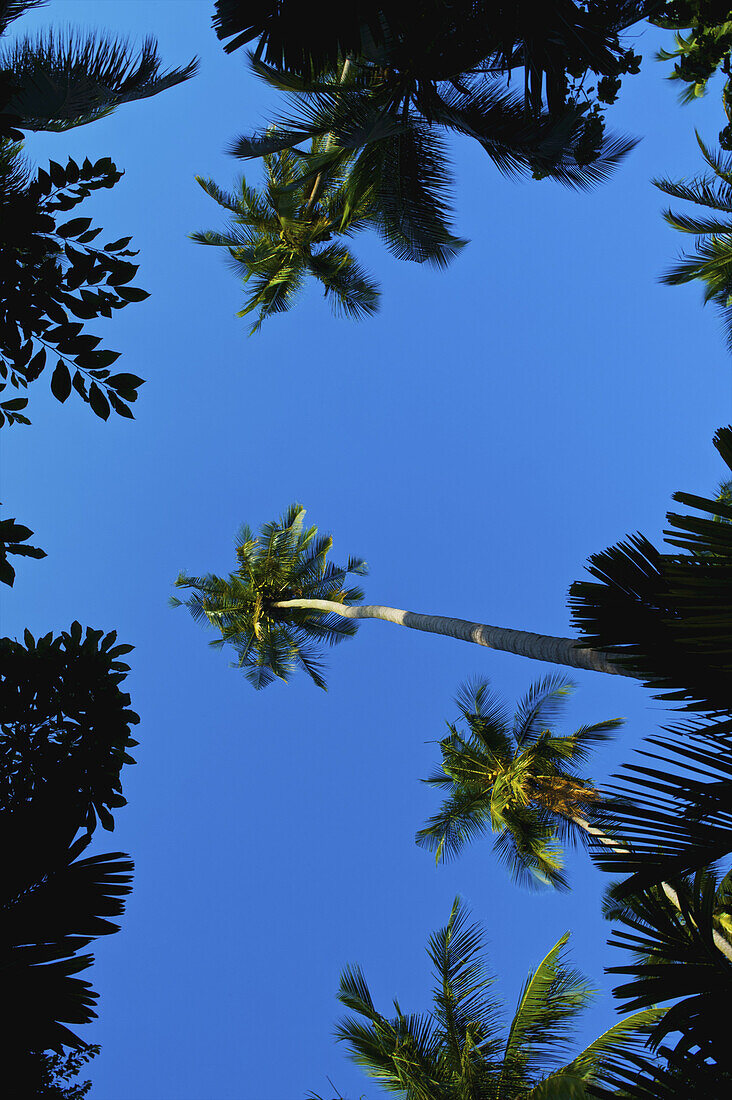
point(55, 276)
point(64, 736)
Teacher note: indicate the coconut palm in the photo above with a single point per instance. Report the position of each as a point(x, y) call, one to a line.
point(515, 777)
point(711, 262)
point(282, 235)
point(54, 81)
point(460, 1049)
point(518, 779)
point(286, 601)
point(391, 127)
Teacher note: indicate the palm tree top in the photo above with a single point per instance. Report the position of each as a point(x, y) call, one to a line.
point(461, 1048)
point(285, 561)
point(279, 236)
point(515, 777)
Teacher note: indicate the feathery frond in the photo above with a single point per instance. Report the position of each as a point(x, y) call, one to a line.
point(461, 1050)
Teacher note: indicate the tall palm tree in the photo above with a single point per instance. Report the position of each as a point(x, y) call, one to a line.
point(54, 81)
point(518, 778)
point(515, 777)
point(286, 601)
point(284, 234)
point(460, 1049)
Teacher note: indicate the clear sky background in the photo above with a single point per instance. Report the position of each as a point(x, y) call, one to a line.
point(475, 442)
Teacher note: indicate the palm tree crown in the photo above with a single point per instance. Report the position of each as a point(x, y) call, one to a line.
point(460, 1049)
point(517, 778)
point(284, 234)
point(286, 561)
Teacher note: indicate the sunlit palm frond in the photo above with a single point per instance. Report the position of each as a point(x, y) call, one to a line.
point(464, 816)
point(540, 706)
point(463, 997)
point(527, 847)
point(541, 1030)
point(461, 1051)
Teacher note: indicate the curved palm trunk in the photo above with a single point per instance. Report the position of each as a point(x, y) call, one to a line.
point(720, 941)
point(538, 647)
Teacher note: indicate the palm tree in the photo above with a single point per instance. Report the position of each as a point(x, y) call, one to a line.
point(711, 262)
point(286, 601)
point(56, 81)
point(518, 779)
point(515, 777)
point(390, 125)
point(284, 234)
point(460, 1050)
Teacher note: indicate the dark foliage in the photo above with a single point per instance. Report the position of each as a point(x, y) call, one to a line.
point(673, 807)
point(13, 540)
point(55, 81)
point(64, 738)
point(667, 616)
point(52, 905)
point(557, 45)
point(675, 960)
point(52, 280)
point(48, 1075)
point(65, 724)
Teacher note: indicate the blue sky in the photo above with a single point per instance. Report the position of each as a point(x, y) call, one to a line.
point(475, 442)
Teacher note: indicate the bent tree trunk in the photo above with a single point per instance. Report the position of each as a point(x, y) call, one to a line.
point(538, 647)
point(720, 941)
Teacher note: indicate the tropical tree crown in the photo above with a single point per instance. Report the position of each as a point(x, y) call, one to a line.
point(286, 561)
point(514, 777)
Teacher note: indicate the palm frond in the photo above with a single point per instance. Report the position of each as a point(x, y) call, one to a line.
point(540, 706)
point(528, 849)
point(462, 995)
point(69, 80)
point(673, 958)
point(553, 996)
